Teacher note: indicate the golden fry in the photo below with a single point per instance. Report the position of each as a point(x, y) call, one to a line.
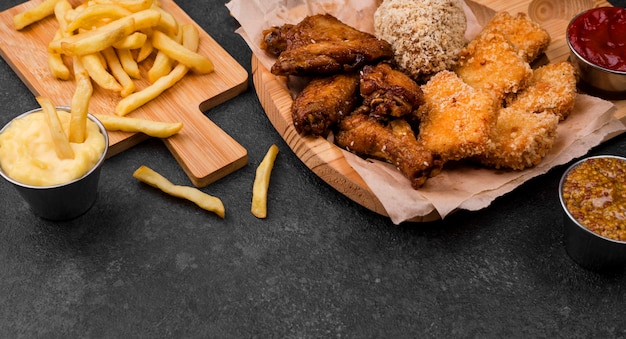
point(80, 103)
point(133, 41)
point(62, 145)
point(97, 71)
point(96, 15)
point(196, 62)
point(157, 129)
point(131, 5)
point(95, 40)
point(128, 86)
point(56, 65)
point(162, 63)
point(262, 182)
point(128, 63)
point(168, 24)
point(205, 201)
point(146, 49)
point(34, 14)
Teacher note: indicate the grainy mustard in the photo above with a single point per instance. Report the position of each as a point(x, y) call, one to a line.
point(594, 193)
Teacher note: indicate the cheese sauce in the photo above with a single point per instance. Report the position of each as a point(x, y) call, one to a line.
point(27, 152)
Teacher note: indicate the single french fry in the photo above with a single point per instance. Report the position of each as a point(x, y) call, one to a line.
point(56, 65)
point(80, 103)
point(163, 64)
point(133, 41)
point(128, 63)
point(116, 69)
point(97, 71)
point(95, 15)
point(168, 23)
point(205, 201)
point(95, 40)
point(196, 62)
point(145, 51)
point(62, 145)
point(34, 14)
point(61, 10)
point(139, 98)
point(262, 182)
point(157, 129)
point(131, 5)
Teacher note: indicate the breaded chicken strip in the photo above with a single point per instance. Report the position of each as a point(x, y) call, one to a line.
point(520, 139)
point(552, 88)
point(491, 62)
point(395, 143)
point(527, 37)
point(323, 102)
point(456, 118)
point(389, 92)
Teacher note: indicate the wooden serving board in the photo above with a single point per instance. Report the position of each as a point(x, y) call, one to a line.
point(326, 160)
point(205, 152)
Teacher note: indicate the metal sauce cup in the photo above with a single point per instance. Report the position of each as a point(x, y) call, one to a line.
point(590, 250)
point(595, 79)
point(63, 201)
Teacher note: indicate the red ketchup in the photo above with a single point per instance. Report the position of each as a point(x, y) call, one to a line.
point(599, 36)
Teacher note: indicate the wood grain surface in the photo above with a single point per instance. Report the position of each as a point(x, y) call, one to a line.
point(326, 160)
point(205, 152)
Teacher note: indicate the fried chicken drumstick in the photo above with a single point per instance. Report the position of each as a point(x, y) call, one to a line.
point(321, 44)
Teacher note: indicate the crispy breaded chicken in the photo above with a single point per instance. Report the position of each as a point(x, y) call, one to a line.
point(520, 139)
point(552, 89)
point(323, 102)
point(526, 36)
point(389, 92)
point(456, 118)
point(394, 143)
point(491, 62)
point(322, 44)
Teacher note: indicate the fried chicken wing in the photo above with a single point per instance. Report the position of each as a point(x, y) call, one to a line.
point(389, 92)
point(528, 38)
point(395, 143)
point(491, 62)
point(552, 89)
point(456, 118)
point(520, 139)
point(323, 101)
point(322, 44)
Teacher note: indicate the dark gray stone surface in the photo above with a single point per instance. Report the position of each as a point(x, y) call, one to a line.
point(142, 264)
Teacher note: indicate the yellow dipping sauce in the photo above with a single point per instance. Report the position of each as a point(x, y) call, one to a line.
point(27, 152)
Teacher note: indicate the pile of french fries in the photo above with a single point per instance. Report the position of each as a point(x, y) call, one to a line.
point(106, 41)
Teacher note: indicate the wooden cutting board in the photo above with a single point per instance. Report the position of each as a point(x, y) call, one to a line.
point(326, 160)
point(205, 152)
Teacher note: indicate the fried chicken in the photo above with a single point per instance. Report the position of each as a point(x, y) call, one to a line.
point(322, 44)
point(323, 101)
point(552, 88)
point(389, 92)
point(456, 118)
point(394, 143)
point(520, 139)
point(527, 37)
point(491, 62)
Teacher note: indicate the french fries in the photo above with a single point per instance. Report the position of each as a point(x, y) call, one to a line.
point(112, 38)
point(157, 129)
point(80, 103)
point(205, 201)
point(137, 99)
point(262, 182)
point(34, 14)
point(61, 143)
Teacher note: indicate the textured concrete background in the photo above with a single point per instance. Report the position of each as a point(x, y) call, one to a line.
point(141, 264)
